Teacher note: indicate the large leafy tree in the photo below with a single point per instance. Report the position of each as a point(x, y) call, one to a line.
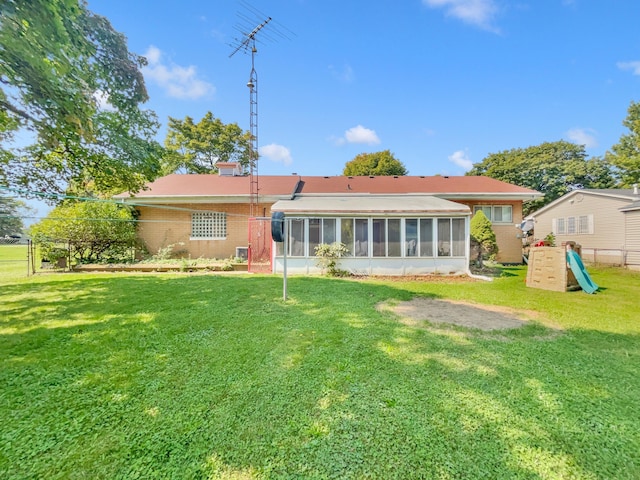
point(12, 212)
point(552, 168)
point(625, 155)
point(197, 147)
point(378, 163)
point(67, 77)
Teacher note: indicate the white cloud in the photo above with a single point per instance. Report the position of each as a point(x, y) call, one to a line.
point(633, 66)
point(461, 159)
point(583, 136)
point(153, 55)
point(177, 81)
point(360, 134)
point(475, 12)
point(276, 153)
point(344, 75)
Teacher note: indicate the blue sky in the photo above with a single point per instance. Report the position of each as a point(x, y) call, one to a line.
point(440, 83)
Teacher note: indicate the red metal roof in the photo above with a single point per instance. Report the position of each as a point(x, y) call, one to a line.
point(189, 185)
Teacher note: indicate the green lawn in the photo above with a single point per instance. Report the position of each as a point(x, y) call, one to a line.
point(204, 376)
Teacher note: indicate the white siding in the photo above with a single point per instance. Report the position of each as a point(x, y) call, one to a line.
point(632, 237)
point(607, 221)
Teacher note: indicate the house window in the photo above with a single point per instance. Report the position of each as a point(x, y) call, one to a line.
point(321, 230)
point(561, 228)
point(582, 225)
point(444, 237)
point(379, 240)
point(496, 213)
point(426, 237)
point(296, 238)
point(418, 237)
point(361, 247)
point(355, 235)
point(346, 234)
point(458, 237)
point(411, 237)
point(451, 237)
point(585, 225)
point(209, 225)
point(394, 231)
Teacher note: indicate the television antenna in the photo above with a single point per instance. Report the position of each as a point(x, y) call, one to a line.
point(247, 43)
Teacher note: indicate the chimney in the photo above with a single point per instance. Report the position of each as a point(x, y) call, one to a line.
point(230, 169)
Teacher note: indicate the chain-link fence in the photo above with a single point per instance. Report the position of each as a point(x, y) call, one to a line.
point(15, 257)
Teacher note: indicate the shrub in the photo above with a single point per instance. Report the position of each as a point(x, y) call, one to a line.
point(94, 231)
point(327, 256)
point(483, 238)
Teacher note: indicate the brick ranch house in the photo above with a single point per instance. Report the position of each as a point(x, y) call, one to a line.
point(391, 225)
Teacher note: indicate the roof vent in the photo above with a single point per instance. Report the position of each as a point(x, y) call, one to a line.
point(635, 189)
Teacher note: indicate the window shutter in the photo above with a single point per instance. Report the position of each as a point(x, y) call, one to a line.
point(591, 229)
point(554, 226)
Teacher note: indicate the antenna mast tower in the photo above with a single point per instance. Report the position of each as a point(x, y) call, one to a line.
point(250, 42)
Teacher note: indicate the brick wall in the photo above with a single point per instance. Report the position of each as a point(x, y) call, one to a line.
point(161, 227)
point(510, 247)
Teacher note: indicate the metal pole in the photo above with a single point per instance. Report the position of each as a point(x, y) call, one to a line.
point(284, 269)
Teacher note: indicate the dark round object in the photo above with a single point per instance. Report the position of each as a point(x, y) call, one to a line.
point(277, 226)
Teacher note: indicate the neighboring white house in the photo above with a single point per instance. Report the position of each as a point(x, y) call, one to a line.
point(606, 223)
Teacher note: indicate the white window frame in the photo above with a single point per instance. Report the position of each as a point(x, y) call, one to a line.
point(576, 225)
point(208, 226)
point(491, 209)
point(585, 224)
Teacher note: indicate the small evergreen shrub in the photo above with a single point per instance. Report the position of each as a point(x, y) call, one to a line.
point(483, 238)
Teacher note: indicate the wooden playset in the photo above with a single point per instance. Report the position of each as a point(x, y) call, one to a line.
point(550, 270)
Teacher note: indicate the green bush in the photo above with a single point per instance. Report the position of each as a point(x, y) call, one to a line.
point(327, 257)
point(95, 232)
point(483, 238)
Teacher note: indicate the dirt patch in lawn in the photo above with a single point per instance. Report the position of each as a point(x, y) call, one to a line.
point(418, 310)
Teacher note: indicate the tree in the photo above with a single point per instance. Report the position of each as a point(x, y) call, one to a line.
point(11, 213)
point(483, 238)
point(197, 147)
point(378, 163)
point(96, 231)
point(552, 168)
point(67, 76)
point(625, 155)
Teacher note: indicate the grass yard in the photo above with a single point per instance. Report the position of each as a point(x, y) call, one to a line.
point(203, 376)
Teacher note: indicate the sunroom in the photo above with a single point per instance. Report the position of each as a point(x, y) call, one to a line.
point(384, 235)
